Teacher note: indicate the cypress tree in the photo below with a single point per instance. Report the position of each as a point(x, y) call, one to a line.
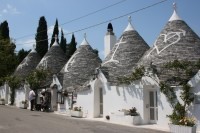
point(42, 37)
point(63, 42)
point(8, 61)
point(72, 46)
point(4, 30)
point(55, 32)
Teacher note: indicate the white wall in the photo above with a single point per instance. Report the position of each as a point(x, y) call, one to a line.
point(4, 92)
point(19, 96)
point(118, 98)
point(195, 108)
point(85, 99)
point(164, 109)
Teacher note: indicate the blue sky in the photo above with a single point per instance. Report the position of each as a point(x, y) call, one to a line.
point(23, 17)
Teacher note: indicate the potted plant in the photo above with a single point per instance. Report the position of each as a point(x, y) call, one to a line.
point(180, 121)
point(2, 101)
point(24, 104)
point(136, 116)
point(186, 124)
point(77, 112)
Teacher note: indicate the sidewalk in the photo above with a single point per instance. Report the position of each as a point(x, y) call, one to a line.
point(152, 126)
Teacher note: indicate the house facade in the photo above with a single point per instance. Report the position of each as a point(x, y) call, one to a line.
point(96, 83)
point(107, 97)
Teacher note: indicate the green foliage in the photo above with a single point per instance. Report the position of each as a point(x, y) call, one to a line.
point(14, 83)
point(182, 73)
point(4, 30)
point(96, 51)
point(136, 75)
point(42, 37)
point(169, 93)
point(186, 95)
point(21, 55)
point(55, 32)
point(8, 60)
point(36, 78)
point(72, 47)
point(63, 42)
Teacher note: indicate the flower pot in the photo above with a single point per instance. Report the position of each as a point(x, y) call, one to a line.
point(76, 113)
point(136, 120)
point(181, 129)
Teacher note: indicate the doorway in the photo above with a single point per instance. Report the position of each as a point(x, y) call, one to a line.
point(153, 106)
point(101, 101)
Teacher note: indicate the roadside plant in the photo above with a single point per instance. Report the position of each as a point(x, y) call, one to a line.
point(77, 108)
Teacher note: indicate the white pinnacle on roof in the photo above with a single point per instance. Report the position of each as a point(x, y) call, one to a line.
point(84, 42)
point(55, 42)
point(33, 49)
point(174, 15)
point(129, 27)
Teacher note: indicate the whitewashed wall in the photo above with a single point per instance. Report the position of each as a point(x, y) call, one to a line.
point(19, 96)
point(195, 108)
point(118, 98)
point(164, 109)
point(22, 94)
point(4, 92)
point(114, 98)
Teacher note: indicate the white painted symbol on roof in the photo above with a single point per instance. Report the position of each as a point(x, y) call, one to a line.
point(112, 57)
point(70, 62)
point(167, 37)
point(44, 62)
point(25, 63)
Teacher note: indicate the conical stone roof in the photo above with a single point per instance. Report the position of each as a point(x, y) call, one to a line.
point(176, 41)
point(81, 67)
point(28, 64)
point(124, 55)
point(53, 60)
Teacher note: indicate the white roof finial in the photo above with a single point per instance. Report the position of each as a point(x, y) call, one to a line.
point(85, 35)
point(129, 27)
point(55, 42)
point(84, 42)
point(174, 6)
point(129, 19)
point(174, 15)
point(33, 48)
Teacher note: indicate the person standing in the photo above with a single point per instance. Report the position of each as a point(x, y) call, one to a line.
point(32, 98)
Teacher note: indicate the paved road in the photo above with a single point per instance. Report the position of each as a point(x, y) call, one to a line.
point(14, 120)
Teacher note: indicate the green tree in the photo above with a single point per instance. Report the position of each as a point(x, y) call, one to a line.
point(42, 37)
point(8, 60)
point(72, 46)
point(36, 77)
point(21, 55)
point(55, 32)
point(4, 30)
point(14, 83)
point(63, 42)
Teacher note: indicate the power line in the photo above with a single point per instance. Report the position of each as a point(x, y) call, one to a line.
point(95, 25)
point(75, 19)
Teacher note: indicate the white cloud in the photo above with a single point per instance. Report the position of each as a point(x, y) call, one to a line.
point(50, 31)
point(9, 10)
point(25, 44)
